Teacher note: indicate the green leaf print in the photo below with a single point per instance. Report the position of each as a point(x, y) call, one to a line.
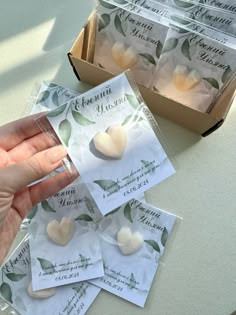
point(57, 111)
point(107, 5)
point(84, 217)
point(107, 185)
point(32, 212)
point(213, 82)
point(103, 21)
point(164, 237)
point(6, 292)
point(46, 207)
point(226, 75)
point(43, 96)
point(46, 266)
point(185, 49)
point(15, 276)
point(133, 101)
point(118, 25)
point(81, 120)
point(127, 212)
point(159, 49)
point(153, 244)
point(149, 58)
point(170, 44)
point(65, 131)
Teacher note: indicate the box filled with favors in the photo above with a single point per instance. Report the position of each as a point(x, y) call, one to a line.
point(182, 55)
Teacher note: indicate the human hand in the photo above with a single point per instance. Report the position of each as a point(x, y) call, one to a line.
point(26, 155)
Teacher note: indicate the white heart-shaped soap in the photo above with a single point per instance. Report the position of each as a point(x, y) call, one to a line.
point(61, 233)
point(128, 241)
point(184, 79)
point(124, 57)
point(111, 143)
point(41, 294)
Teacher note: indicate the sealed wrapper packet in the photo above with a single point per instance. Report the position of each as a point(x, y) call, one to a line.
point(16, 289)
point(223, 5)
point(133, 241)
point(195, 62)
point(224, 21)
point(109, 134)
point(126, 40)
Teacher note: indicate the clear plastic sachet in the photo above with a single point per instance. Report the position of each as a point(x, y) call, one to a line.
point(193, 69)
point(196, 61)
point(224, 21)
point(224, 5)
point(111, 138)
point(127, 40)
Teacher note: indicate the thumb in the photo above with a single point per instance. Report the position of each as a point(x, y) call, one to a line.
point(19, 175)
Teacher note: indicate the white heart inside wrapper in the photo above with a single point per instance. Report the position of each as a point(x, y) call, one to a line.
point(61, 233)
point(184, 79)
point(111, 143)
point(129, 242)
point(124, 57)
point(41, 294)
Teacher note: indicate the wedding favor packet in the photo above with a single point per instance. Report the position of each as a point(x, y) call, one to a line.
point(193, 68)
point(227, 5)
point(127, 40)
point(109, 136)
point(222, 20)
point(71, 299)
point(49, 96)
point(74, 257)
point(133, 239)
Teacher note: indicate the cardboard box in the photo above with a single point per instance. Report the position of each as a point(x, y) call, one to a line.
point(81, 59)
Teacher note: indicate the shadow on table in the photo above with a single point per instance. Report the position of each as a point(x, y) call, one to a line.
point(22, 17)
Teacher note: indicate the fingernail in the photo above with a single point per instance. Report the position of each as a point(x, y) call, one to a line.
point(56, 153)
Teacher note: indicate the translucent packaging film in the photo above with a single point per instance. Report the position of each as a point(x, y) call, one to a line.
point(113, 140)
point(195, 62)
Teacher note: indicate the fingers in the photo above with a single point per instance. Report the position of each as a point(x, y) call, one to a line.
point(15, 132)
point(25, 199)
point(19, 175)
point(30, 147)
point(8, 232)
point(51, 185)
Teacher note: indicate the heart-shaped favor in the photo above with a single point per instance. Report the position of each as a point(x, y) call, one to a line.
point(184, 79)
point(41, 294)
point(111, 143)
point(61, 233)
point(129, 242)
point(124, 57)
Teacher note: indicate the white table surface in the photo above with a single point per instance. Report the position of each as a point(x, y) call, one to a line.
point(199, 272)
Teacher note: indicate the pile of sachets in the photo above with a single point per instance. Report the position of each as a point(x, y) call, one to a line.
point(98, 233)
point(184, 50)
